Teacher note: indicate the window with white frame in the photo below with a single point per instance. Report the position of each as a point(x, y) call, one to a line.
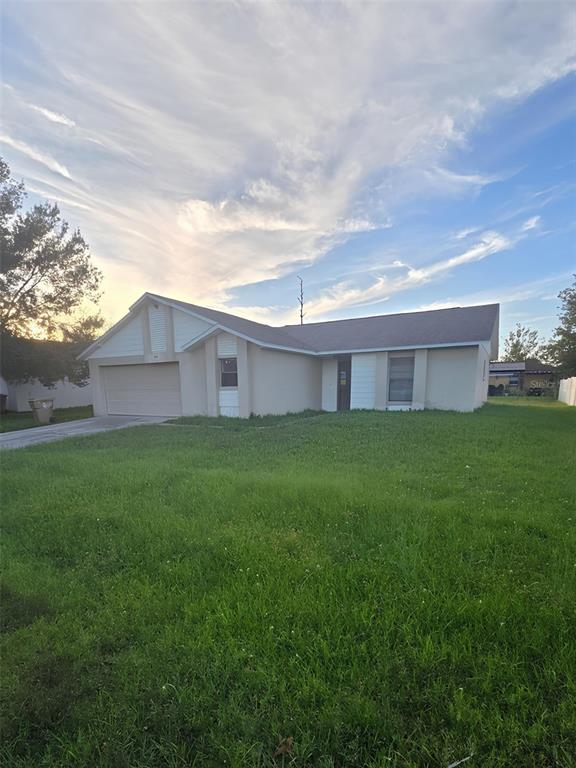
point(228, 372)
point(400, 379)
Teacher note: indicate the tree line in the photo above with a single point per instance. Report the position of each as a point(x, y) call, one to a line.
point(523, 343)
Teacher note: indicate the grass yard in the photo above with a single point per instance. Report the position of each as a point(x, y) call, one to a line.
point(387, 589)
point(12, 420)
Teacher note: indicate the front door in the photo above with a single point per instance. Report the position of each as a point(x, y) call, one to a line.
point(344, 371)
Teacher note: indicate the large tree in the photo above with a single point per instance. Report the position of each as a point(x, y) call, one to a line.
point(48, 288)
point(522, 344)
point(562, 347)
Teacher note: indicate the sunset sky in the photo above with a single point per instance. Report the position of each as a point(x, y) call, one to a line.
point(397, 156)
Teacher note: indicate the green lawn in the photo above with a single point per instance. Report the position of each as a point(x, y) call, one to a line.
point(12, 420)
point(388, 589)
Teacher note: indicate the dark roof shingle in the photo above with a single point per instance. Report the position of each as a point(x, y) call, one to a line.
point(459, 325)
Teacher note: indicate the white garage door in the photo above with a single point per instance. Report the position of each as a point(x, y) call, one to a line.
point(143, 390)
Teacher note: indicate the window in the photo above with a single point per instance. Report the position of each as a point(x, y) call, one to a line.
point(400, 379)
point(228, 372)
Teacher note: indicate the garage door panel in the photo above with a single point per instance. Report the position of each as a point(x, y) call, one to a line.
point(143, 390)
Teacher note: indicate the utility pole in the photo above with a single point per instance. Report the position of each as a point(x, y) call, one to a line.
point(301, 300)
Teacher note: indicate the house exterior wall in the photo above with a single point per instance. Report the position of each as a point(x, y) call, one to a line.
point(329, 384)
point(482, 375)
point(452, 379)
point(65, 394)
point(420, 379)
point(128, 340)
point(381, 388)
point(283, 382)
point(193, 393)
point(538, 380)
point(187, 328)
point(523, 381)
point(211, 362)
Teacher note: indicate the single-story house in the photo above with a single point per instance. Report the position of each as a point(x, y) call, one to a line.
point(171, 358)
point(522, 377)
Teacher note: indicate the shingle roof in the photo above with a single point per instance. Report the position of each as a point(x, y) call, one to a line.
point(460, 325)
point(503, 367)
point(266, 334)
point(528, 366)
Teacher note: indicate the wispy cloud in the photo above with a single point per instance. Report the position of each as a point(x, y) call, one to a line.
point(531, 223)
point(462, 234)
point(35, 154)
point(384, 287)
point(528, 291)
point(54, 117)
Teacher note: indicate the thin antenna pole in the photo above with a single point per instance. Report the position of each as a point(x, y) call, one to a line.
point(301, 300)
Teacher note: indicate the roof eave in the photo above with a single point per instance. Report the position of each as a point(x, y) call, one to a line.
point(354, 351)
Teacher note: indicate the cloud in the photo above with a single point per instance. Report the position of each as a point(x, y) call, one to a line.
point(448, 180)
point(531, 290)
point(531, 223)
point(265, 208)
point(54, 117)
point(384, 287)
point(524, 295)
point(36, 155)
point(225, 146)
point(56, 197)
point(462, 234)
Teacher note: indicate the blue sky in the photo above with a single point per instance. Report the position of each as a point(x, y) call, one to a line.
point(397, 156)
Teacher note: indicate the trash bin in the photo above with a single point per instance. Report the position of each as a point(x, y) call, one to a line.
point(42, 410)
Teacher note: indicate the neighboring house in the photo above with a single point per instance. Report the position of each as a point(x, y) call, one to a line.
point(167, 357)
point(64, 393)
point(522, 377)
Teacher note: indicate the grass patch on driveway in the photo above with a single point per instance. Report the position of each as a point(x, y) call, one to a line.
point(12, 420)
point(388, 589)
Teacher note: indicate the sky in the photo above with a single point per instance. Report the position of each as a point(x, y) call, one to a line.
point(397, 156)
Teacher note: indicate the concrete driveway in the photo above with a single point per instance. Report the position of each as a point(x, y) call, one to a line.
point(25, 437)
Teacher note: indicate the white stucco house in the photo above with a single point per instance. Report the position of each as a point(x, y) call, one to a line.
point(171, 358)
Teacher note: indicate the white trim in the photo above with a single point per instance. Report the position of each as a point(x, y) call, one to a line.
point(398, 349)
point(258, 342)
point(201, 337)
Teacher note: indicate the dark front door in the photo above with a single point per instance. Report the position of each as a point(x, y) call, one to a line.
point(344, 371)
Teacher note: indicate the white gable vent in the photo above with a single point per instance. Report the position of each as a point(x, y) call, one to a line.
point(227, 345)
point(158, 315)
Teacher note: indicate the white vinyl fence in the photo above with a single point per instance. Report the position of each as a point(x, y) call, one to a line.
point(64, 393)
point(567, 391)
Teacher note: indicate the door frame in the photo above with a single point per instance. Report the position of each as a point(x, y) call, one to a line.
point(343, 382)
